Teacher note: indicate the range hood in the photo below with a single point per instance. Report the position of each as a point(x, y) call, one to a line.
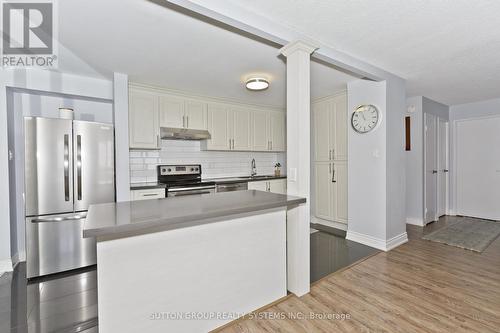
point(171, 133)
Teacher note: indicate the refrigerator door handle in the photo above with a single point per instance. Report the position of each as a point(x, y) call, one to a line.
point(66, 167)
point(79, 166)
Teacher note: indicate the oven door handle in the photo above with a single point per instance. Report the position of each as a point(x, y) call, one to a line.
point(180, 189)
point(177, 194)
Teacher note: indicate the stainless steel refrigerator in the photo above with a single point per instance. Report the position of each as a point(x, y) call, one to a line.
point(69, 165)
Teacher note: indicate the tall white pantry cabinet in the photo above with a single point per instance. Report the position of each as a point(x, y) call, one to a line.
point(330, 157)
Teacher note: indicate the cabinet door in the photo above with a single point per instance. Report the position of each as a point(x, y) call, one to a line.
point(278, 186)
point(340, 191)
point(322, 124)
point(147, 194)
point(323, 206)
point(260, 131)
point(340, 127)
point(171, 112)
point(278, 133)
point(241, 129)
point(196, 115)
point(143, 121)
point(259, 186)
point(218, 127)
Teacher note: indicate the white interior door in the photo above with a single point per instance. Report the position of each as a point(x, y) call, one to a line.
point(478, 167)
point(442, 167)
point(430, 168)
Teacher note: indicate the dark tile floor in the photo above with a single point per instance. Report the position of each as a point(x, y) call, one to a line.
point(330, 251)
point(63, 303)
point(68, 302)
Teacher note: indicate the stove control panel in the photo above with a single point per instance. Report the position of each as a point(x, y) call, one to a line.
point(173, 170)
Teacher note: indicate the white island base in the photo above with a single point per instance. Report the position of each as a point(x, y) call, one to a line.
point(193, 279)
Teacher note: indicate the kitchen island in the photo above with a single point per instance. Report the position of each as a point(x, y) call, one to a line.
point(189, 264)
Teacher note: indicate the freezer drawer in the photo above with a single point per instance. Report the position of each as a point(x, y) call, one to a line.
point(55, 243)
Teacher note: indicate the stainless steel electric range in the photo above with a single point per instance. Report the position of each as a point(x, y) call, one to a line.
point(183, 180)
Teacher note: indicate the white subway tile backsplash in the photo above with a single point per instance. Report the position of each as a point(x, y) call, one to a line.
point(214, 163)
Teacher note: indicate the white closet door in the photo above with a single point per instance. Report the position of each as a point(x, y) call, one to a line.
point(442, 167)
point(478, 167)
point(430, 168)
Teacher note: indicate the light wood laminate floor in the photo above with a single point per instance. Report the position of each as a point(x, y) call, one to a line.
point(420, 286)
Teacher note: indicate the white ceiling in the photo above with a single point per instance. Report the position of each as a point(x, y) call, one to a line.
point(448, 50)
point(156, 45)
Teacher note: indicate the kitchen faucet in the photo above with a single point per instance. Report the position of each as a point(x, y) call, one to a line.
point(254, 168)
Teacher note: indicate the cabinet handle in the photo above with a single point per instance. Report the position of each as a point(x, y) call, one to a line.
point(446, 170)
point(329, 168)
point(271, 145)
point(333, 173)
point(434, 171)
point(329, 154)
point(158, 142)
point(187, 121)
point(333, 153)
point(183, 121)
point(229, 144)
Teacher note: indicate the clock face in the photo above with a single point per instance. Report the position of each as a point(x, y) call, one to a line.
point(365, 118)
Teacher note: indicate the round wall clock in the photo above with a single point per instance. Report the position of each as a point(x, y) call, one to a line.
point(365, 118)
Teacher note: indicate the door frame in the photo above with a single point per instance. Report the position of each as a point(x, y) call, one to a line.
point(447, 164)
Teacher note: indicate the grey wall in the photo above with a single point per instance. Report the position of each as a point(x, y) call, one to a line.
point(415, 158)
point(415, 163)
point(435, 108)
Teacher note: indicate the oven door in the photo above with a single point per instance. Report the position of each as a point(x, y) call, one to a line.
point(183, 191)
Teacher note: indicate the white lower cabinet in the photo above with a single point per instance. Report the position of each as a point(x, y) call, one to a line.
point(331, 191)
point(147, 194)
point(274, 186)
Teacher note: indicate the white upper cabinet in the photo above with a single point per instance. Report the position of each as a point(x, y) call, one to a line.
point(144, 130)
point(260, 130)
point(240, 129)
point(330, 129)
point(232, 126)
point(181, 113)
point(277, 135)
point(218, 118)
point(322, 141)
point(196, 115)
point(171, 112)
point(339, 104)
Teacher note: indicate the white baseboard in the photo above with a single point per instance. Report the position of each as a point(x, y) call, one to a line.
point(415, 221)
point(381, 244)
point(5, 266)
point(332, 224)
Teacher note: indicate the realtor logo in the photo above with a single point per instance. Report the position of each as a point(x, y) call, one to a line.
point(28, 34)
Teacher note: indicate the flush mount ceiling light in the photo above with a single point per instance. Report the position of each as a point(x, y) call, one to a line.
point(257, 84)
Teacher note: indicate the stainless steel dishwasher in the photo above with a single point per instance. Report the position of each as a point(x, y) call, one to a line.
point(243, 186)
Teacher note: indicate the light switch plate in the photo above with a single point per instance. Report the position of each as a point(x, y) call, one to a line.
point(292, 174)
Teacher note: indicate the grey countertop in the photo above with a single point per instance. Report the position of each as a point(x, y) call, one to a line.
point(115, 219)
point(243, 179)
point(145, 186)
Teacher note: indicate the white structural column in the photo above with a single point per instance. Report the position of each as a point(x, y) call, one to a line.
point(298, 87)
point(120, 115)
